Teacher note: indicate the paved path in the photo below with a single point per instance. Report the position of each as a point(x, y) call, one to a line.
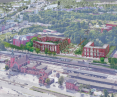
point(24, 90)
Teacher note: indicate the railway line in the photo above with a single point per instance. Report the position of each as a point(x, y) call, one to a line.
point(73, 66)
point(86, 76)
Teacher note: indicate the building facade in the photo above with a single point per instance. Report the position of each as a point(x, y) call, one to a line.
point(23, 39)
point(90, 50)
point(72, 84)
point(54, 44)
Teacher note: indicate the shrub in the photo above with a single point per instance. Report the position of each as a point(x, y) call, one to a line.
point(102, 59)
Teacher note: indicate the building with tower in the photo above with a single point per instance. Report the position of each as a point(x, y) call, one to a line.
point(21, 63)
point(52, 43)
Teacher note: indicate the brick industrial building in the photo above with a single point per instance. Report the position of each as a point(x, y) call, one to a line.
point(90, 50)
point(54, 44)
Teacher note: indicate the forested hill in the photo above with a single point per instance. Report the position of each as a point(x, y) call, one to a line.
point(65, 22)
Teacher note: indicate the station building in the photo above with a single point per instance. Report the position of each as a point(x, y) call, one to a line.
point(54, 44)
point(90, 50)
point(21, 63)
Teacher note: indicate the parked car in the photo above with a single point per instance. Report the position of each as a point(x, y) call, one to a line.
point(54, 85)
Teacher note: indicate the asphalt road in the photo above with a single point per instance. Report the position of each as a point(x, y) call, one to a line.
point(23, 90)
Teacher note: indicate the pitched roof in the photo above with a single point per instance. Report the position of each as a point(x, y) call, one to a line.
point(48, 70)
point(21, 59)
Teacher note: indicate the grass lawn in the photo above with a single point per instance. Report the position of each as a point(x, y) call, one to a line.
point(111, 50)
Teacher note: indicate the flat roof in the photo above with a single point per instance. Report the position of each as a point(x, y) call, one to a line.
point(53, 36)
point(92, 78)
point(89, 43)
point(94, 83)
point(41, 67)
point(46, 43)
point(70, 80)
point(31, 64)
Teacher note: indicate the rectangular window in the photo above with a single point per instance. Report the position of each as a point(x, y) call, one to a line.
point(84, 53)
point(55, 48)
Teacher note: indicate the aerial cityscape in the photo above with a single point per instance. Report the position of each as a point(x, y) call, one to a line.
point(58, 48)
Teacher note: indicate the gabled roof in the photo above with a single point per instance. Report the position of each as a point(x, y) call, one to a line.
point(21, 59)
point(71, 81)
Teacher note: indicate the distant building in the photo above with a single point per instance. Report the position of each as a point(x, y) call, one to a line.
point(48, 30)
point(7, 26)
point(51, 6)
point(56, 44)
point(36, 11)
point(51, 34)
point(22, 39)
point(108, 27)
point(90, 50)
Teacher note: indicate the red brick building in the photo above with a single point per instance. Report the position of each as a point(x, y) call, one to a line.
point(108, 27)
point(43, 75)
point(54, 44)
point(21, 63)
point(72, 84)
point(90, 50)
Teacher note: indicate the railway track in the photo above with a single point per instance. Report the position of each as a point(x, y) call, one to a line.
point(98, 69)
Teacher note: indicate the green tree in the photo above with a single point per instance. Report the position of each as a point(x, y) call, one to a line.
point(54, 53)
point(46, 51)
point(50, 53)
point(31, 49)
point(28, 44)
point(78, 51)
point(61, 80)
point(37, 50)
point(102, 59)
point(105, 93)
point(6, 67)
point(47, 81)
point(34, 38)
point(101, 96)
point(109, 60)
point(112, 95)
point(81, 86)
point(22, 47)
